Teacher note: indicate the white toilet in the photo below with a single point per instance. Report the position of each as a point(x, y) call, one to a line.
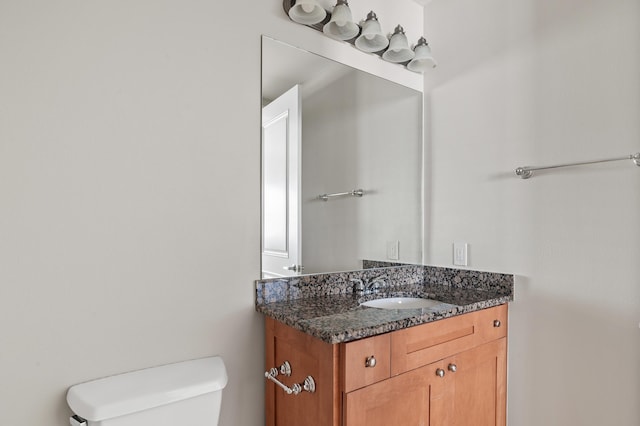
point(185, 393)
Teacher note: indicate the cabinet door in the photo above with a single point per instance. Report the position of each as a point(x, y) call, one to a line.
point(308, 357)
point(476, 386)
point(414, 398)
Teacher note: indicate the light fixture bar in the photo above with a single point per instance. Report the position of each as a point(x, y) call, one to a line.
point(391, 58)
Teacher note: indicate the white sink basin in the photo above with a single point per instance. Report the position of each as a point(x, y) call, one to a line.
point(401, 303)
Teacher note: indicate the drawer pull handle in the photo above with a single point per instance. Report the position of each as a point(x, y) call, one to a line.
point(440, 372)
point(497, 323)
point(370, 362)
point(453, 368)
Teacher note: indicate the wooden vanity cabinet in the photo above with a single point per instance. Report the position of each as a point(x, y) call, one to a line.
point(450, 372)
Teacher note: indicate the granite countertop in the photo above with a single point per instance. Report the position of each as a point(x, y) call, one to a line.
point(336, 317)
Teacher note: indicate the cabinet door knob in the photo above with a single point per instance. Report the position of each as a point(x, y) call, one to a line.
point(440, 372)
point(370, 362)
point(453, 368)
point(497, 323)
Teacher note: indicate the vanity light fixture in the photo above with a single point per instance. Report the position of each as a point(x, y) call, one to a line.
point(372, 39)
point(307, 12)
point(423, 60)
point(341, 25)
point(367, 36)
point(398, 51)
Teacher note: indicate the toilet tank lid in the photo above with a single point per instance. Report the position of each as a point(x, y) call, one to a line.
point(143, 389)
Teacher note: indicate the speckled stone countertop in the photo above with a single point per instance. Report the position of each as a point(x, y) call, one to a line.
point(325, 306)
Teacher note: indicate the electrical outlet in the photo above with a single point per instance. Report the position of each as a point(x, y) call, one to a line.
point(393, 250)
point(461, 254)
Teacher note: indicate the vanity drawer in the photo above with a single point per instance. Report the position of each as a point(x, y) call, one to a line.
point(365, 361)
point(424, 344)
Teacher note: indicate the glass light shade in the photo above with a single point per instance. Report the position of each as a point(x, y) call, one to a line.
point(307, 12)
point(423, 61)
point(398, 50)
point(371, 39)
point(341, 25)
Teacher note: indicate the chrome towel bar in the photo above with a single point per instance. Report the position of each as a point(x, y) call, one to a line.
point(527, 172)
point(354, 193)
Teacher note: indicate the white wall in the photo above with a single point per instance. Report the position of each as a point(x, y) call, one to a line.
point(129, 192)
point(533, 83)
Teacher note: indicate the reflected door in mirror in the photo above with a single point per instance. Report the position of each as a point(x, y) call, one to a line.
point(281, 186)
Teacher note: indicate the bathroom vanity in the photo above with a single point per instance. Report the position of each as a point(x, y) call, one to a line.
point(331, 357)
point(442, 365)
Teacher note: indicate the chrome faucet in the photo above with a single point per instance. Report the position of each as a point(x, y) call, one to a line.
point(377, 283)
point(360, 286)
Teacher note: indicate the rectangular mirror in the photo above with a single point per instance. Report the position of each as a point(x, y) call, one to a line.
point(342, 155)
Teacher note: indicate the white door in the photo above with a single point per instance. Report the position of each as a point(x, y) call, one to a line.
point(281, 137)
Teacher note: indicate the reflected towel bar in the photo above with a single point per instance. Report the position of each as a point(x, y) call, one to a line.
point(527, 172)
point(354, 193)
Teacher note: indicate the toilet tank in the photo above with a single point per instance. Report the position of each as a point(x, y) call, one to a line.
point(185, 393)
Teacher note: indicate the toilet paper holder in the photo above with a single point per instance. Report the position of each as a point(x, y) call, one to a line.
point(309, 384)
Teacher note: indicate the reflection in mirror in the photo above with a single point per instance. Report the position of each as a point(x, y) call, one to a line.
point(331, 129)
